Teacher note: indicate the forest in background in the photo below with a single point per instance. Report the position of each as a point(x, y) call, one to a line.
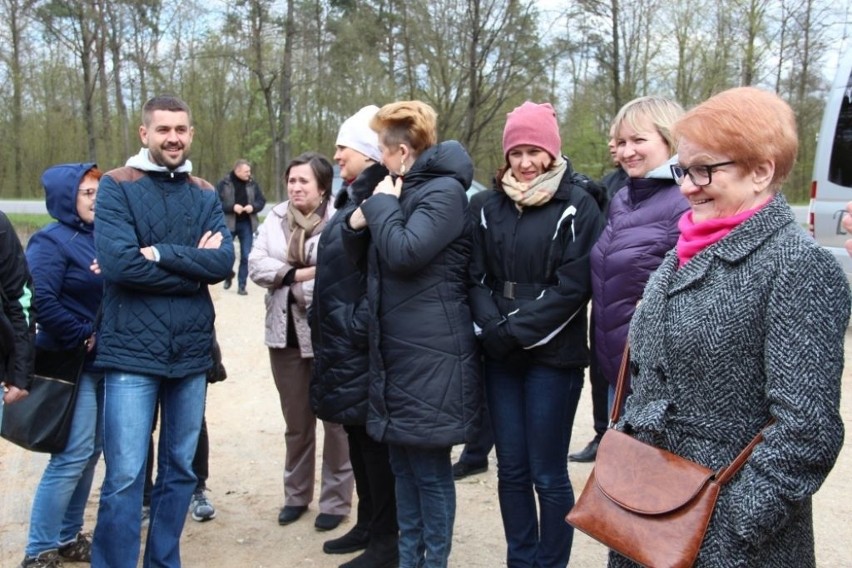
point(269, 79)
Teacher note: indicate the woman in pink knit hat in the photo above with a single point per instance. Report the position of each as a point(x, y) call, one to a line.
point(531, 268)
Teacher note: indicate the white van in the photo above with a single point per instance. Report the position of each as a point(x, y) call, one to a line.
point(831, 187)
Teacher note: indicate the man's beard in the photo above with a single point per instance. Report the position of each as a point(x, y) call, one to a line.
point(158, 156)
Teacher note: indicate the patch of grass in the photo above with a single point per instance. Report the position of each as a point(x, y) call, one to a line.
point(28, 223)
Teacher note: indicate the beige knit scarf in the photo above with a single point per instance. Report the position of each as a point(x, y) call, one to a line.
point(302, 227)
point(538, 191)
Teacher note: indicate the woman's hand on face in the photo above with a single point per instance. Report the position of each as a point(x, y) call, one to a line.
point(357, 220)
point(390, 187)
point(305, 274)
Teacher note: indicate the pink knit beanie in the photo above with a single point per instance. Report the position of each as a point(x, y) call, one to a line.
point(533, 124)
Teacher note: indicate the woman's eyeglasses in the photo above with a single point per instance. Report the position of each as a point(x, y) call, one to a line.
point(700, 175)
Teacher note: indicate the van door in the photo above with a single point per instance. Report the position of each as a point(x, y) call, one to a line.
point(831, 187)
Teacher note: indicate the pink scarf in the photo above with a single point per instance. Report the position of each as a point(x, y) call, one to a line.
point(695, 237)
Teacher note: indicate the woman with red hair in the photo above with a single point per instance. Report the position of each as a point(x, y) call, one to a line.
point(743, 323)
point(67, 298)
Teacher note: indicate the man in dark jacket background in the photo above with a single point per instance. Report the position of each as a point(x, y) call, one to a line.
point(242, 199)
point(161, 241)
point(17, 324)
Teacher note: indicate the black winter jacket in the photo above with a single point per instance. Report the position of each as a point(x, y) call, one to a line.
point(17, 314)
point(531, 276)
point(425, 384)
point(339, 315)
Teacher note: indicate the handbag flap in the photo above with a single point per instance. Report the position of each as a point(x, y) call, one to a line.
point(645, 479)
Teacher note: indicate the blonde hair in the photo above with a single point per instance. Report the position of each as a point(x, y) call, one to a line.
point(747, 124)
point(410, 122)
point(660, 111)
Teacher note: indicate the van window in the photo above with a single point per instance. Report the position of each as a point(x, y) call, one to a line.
point(840, 167)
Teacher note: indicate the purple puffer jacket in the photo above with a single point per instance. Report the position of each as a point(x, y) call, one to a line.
point(641, 228)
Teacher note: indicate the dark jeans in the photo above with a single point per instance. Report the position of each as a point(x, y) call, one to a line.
point(426, 505)
point(475, 453)
point(243, 232)
point(374, 482)
point(532, 412)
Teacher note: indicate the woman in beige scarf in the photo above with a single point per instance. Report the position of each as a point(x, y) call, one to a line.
point(531, 272)
point(283, 260)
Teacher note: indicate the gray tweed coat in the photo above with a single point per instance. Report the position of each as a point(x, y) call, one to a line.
point(751, 328)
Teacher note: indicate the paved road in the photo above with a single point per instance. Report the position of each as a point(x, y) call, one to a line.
point(29, 206)
point(22, 206)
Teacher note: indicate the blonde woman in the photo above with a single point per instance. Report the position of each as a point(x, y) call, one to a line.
point(641, 225)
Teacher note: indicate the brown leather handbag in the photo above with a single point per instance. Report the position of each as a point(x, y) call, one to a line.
point(648, 504)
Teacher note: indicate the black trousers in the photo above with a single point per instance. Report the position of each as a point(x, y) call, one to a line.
point(600, 389)
point(374, 482)
point(475, 452)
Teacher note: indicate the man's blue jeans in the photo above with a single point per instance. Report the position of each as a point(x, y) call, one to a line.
point(425, 505)
point(532, 414)
point(242, 231)
point(60, 500)
point(130, 400)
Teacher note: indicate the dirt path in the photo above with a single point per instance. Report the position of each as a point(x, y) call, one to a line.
point(246, 464)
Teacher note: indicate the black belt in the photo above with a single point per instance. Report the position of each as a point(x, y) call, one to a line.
point(513, 290)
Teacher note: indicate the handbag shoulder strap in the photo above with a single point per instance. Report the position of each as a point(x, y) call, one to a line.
point(620, 387)
point(723, 475)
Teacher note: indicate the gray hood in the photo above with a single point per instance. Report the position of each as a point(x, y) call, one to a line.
point(664, 171)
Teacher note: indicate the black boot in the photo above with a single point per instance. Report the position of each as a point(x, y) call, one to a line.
point(382, 552)
point(356, 539)
point(587, 454)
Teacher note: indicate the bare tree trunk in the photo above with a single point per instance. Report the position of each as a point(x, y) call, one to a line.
point(102, 37)
point(806, 54)
point(17, 96)
point(87, 40)
point(286, 98)
point(616, 58)
point(782, 46)
point(407, 41)
point(115, 33)
point(472, 72)
point(17, 13)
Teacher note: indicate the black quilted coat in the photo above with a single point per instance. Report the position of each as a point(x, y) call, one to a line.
point(425, 386)
point(751, 328)
point(339, 316)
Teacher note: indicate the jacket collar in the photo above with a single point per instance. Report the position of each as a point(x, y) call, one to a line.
point(736, 246)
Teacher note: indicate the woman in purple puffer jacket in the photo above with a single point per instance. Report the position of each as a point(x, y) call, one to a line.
point(641, 225)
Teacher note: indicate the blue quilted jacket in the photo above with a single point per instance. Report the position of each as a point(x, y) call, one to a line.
point(158, 316)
